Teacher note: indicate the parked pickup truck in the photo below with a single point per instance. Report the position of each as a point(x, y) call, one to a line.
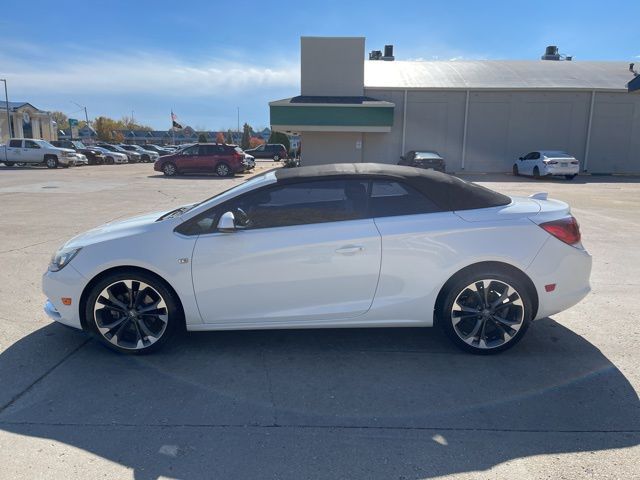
point(32, 151)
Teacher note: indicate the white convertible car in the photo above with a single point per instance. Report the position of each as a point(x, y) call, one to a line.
point(345, 245)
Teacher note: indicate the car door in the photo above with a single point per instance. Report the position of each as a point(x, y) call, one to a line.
point(260, 152)
point(525, 164)
point(188, 159)
point(31, 152)
point(304, 254)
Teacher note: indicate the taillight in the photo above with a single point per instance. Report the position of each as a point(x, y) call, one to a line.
point(574, 162)
point(565, 229)
point(550, 162)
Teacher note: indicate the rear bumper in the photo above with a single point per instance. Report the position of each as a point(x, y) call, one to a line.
point(560, 170)
point(567, 267)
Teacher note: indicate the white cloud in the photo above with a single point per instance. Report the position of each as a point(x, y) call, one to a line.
point(137, 73)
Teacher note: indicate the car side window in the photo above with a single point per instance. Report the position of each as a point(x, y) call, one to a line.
point(30, 144)
point(15, 143)
point(391, 198)
point(191, 150)
point(301, 203)
point(535, 155)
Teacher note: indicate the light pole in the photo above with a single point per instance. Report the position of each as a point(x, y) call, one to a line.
point(238, 123)
point(86, 117)
point(6, 101)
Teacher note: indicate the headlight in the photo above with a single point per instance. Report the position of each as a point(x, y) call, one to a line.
point(61, 258)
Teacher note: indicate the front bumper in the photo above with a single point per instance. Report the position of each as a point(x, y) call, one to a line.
point(67, 283)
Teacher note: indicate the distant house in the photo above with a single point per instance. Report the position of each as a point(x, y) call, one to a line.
point(27, 121)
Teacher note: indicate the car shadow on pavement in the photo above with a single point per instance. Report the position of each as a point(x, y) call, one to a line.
point(368, 403)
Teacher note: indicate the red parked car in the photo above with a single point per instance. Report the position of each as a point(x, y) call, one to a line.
point(221, 159)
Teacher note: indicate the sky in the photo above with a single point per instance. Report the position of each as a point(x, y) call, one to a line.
point(206, 59)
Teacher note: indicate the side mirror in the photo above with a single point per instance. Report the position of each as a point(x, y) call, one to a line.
point(227, 223)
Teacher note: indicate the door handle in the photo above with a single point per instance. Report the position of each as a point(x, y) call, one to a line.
point(350, 249)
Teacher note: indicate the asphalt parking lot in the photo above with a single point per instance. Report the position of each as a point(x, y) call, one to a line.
point(370, 404)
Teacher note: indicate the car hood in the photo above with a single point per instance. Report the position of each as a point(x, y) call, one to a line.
point(117, 229)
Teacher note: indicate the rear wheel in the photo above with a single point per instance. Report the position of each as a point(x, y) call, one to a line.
point(515, 170)
point(51, 162)
point(223, 170)
point(146, 158)
point(276, 158)
point(132, 312)
point(569, 177)
point(536, 172)
point(485, 312)
point(169, 169)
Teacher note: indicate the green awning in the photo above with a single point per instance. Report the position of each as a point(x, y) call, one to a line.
point(331, 114)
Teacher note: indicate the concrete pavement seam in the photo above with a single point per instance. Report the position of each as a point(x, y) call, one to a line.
point(41, 377)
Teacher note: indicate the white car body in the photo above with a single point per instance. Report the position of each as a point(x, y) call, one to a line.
point(80, 159)
point(547, 163)
point(117, 157)
point(34, 151)
point(369, 272)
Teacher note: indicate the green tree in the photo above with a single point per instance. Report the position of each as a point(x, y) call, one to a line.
point(61, 120)
point(279, 137)
point(105, 128)
point(228, 138)
point(246, 137)
point(202, 138)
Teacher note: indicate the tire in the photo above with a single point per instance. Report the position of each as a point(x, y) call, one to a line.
point(109, 161)
point(223, 170)
point(9, 164)
point(120, 318)
point(482, 326)
point(569, 177)
point(515, 170)
point(169, 169)
point(536, 172)
point(51, 162)
point(21, 164)
point(276, 158)
point(146, 158)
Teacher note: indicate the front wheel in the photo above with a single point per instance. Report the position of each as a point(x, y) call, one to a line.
point(169, 169)
point(276, 158)
point(516, 172)
point(569, 177)
point(132, 312)
point(109, 161)
point(51, 162)
point(485, 312)
point(223, 170)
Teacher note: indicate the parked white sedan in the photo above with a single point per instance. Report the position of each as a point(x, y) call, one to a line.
point(346, 245)
point(111, 157)
point(547, 163)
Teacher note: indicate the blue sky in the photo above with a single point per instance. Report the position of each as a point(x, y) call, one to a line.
point(206, 58)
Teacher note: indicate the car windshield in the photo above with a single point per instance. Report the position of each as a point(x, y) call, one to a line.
point(231, 192)
point(428, 155)
point(78, 144)
point(44, 143)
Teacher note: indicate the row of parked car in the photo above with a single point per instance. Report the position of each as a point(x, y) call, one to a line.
point(221, 159)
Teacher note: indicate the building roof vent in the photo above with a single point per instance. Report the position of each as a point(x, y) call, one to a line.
point(377, 54)
point(553, 53)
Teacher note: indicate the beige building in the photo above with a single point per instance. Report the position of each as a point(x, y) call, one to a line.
point(479, 115)
point(27, 121)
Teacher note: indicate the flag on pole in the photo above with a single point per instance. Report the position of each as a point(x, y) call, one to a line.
point(174, 121)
